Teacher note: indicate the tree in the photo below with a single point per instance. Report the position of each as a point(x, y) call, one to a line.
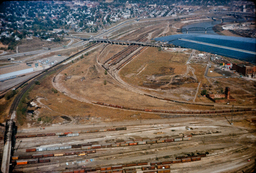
point(203, 92)
point(10, 94)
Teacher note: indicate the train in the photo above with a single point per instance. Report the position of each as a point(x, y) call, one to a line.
point(68, 134)
point(173, 112)
point(91, 146)
point(30, 161)
point(159, 167)
point(26, 158)
point(126, 168)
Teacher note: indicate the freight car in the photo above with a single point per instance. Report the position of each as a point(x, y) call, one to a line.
point(163, 171)
point(22, 162)
point(44, 160)
point(31, 150)
point(117, 167)
point(148, 168)
point(163, 166)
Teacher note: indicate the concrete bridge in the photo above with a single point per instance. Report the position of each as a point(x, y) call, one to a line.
point(8, 146)
point(187, 30)
point(123, 42)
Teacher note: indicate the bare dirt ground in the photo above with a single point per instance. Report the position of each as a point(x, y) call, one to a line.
point(90, 85)
point(36, 43)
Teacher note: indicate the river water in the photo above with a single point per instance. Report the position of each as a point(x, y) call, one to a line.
point(233, 47)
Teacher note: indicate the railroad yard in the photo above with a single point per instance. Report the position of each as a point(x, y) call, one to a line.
point(113, 108)
point(165, 142)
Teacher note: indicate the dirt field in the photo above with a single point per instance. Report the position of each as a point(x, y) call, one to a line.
point(36, 43)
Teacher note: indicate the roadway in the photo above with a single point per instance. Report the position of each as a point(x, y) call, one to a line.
point(103, 33)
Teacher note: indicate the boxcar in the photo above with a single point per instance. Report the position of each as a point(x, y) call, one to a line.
point(163, 166)
point(116, 167)
point(31, 136)
point(15, 157)
point(96, 146)
point(40, 135)
point(48, 155)
point(178, 139)
point(163, 171)
point(142, 163)
point(186, 160)
point(32, 161)
point(58, 154)
point(25, 157)
point(176, 161)
point(79, 171)
point(21, 162)
point(37, 156)
point(31, 150)
point(130, 164)
point(44, 160)
point(50, 134)
point(168, 140)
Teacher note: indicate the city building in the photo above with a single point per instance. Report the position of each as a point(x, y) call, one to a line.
point(246, 69)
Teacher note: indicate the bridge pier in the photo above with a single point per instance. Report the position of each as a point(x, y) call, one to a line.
point(7, 148)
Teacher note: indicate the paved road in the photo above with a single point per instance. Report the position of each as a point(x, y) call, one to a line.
point(12, 82)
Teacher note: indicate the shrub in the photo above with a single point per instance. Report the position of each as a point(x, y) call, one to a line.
point(54, 90)
point(203, 92)
point(10, 94)
point(106, 72)
point(23, 110)
point(105, 82)
point(37, 82)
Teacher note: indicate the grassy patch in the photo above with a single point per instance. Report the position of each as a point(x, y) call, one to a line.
point(22, 107)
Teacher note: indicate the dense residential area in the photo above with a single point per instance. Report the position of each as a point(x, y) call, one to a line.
point(51, 20)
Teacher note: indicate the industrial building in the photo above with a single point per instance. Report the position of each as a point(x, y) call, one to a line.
point(222, 98)
point(246, 69)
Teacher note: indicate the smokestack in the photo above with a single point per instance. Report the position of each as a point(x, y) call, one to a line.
point(227, 93)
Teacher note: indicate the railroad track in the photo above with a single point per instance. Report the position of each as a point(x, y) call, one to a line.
point(40, 76)
point(176, 112)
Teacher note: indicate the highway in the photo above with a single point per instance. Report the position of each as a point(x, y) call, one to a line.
point(103, 33)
